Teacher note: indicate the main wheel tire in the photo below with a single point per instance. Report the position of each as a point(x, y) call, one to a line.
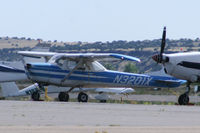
point(63, 97)
point(183, 99)
point(82, 97)
point(35, 96)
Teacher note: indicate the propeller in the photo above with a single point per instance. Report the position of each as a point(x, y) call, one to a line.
point(159, 57)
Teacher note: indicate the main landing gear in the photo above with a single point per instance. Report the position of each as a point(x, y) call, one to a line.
point(184, 98)
point(64, 96)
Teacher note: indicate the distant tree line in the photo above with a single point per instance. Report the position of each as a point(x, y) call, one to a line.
point(137, 45)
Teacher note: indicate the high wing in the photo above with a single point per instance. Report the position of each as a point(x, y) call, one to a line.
point(101, 57)
point(78, 56)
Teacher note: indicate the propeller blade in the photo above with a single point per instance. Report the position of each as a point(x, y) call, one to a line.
point(159, 57)
point(163, 41)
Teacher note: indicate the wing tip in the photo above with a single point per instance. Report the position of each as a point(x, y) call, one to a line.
point(125, 57)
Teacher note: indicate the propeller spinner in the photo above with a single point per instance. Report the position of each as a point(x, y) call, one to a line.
point(159, 57)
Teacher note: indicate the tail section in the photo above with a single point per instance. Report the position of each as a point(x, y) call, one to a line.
point(9, 74)
point(14, 71)
point(9, 89)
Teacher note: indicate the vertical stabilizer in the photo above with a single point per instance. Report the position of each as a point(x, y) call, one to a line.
point(9, 89)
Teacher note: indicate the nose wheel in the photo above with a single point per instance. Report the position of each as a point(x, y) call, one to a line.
point(184, 98)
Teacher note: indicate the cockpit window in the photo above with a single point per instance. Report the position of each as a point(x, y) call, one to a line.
point(68, 64)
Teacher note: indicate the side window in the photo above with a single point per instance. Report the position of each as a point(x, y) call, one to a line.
point(70, 64)
point(60, 62)
point(82, 67)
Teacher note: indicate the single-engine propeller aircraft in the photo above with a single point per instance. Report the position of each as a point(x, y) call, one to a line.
point(14, 71)
point(82, 70)
point(185, 65)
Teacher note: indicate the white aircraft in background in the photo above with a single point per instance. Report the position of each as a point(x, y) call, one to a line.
point(185, 65)
point(14, 71)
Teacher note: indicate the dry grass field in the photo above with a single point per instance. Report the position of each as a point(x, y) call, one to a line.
point(15, 43)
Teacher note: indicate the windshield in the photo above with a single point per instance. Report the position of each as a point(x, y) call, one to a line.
point(96, 66)
point(54, 58)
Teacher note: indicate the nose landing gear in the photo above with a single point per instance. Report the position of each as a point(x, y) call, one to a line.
point(184, 98)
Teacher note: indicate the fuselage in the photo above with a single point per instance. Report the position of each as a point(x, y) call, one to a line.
point(47, 73)
point(183, 65)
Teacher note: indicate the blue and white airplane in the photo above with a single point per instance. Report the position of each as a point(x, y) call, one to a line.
point(14, 71)
point(82, 70)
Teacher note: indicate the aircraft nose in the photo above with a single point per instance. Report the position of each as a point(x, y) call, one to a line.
point(155, 57)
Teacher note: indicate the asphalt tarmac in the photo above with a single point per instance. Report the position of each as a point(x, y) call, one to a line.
point(30, 116)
